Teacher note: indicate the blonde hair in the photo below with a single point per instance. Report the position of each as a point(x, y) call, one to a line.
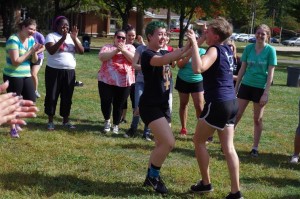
point(265, 28)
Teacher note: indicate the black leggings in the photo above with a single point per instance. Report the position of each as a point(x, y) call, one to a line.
point(59, 82)
point(112, 95)
point(22, 86)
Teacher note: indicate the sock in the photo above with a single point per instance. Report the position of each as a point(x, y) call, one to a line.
point(154, 171)
point(255, 148)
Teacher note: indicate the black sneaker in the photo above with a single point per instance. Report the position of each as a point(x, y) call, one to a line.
point(237, 195)
point(254, 153)
point(130, 133)
point(78, 83)
point(201, 188)
point(157, 184)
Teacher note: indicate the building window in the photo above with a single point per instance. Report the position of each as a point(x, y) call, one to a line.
point(114, 26)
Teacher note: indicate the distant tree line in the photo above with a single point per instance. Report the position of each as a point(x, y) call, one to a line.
point(244, 14)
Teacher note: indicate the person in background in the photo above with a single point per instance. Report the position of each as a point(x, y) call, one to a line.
point(35, 67)
point(115, 77)
point(21, 49)
point(131, 39)
point(60, 76)
point(154, 106)
point(220, 103)
point(139, 89)
point(295, 157)
point(254, 80)
point(236, 59)
point(169, 48)
point(14, 108)
point(188, 83)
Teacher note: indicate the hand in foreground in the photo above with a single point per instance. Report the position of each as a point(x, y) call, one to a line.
point(13, 108)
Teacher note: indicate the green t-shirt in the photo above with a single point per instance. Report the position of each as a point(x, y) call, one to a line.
point(187, 74)
point(257, 65)
point(23, 70)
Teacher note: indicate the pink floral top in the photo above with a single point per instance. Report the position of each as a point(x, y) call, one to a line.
point(117, 71)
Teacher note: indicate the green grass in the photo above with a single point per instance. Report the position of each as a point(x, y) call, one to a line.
point(84, 163)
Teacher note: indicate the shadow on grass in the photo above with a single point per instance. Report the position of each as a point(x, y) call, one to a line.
point(294, 196)
point(268, 159)
point(48, 186)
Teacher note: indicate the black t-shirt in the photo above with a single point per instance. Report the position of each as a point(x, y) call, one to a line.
point(156, 81)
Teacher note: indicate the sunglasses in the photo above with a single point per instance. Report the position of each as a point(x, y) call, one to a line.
point(120, 37)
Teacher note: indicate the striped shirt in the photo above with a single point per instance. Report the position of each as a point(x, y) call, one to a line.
point(22, 70)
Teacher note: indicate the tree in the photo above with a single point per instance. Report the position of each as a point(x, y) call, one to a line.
point(8, 11)
point(122, 7)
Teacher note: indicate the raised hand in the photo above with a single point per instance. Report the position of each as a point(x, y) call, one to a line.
point(74, 32)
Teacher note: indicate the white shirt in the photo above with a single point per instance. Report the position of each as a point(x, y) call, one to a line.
point(64, 57)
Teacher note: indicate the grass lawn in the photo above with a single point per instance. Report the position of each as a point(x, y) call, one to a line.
point(84, 163)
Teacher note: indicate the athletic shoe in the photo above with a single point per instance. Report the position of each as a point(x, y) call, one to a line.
point(116, 129)
point(183, 132)
point(294, 159)
point(254, 153)
point(37, 94)
point(107, 126)
point(236, 195)
point(78, 83)
point(69, 125)
point(201, 188)
point(157, 184)
point(147, 138)
point(130, 133)
point(209, 140)
point(14, 133)
point(50, 126)
point(18, 128)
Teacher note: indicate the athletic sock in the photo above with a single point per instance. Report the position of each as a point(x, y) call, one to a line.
point(154, 171)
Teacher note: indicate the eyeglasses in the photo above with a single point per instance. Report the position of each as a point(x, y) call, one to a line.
point(120, 37)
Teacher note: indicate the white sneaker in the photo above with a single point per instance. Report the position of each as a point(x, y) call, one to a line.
point(116, 129)
point(107, 126)
point(294, 159)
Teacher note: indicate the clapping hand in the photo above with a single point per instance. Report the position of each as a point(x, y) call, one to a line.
point(13, 108)
point(74, 32)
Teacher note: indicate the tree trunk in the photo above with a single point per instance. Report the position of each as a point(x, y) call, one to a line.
point(181, 33)
point(139, 20)
point(169, 18)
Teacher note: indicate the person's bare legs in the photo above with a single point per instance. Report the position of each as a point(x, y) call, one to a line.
point(34, 72)
point(202, 133)
point(183, 108)
point(164, 141)
point(226, 139)
point(258, 123)
point(242, 107)
point(198, 100)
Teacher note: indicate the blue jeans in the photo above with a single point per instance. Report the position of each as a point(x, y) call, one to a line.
point(139, 89)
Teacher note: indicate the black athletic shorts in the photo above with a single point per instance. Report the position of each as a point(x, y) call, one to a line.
point(186, 87)
point(151, 113)
point(219, 114)
point(250, 93)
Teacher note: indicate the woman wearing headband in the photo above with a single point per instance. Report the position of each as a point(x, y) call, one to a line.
point(60, 70)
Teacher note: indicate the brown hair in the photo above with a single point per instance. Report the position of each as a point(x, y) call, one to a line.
point(26, 23)
point(221, 27)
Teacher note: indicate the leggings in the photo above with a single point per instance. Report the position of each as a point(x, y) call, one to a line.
point(21, 86)
point(59, 82)
point(115, 96)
